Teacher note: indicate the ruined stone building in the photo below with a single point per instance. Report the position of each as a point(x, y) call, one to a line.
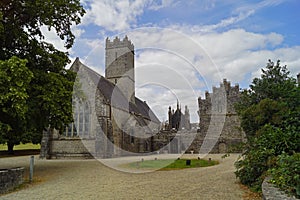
point(219, 128)
point(108, 119)
point(219, 123)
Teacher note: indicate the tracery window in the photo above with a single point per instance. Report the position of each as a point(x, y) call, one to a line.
point(82, 121)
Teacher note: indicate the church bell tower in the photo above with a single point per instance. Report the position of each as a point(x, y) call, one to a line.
point(119, 66)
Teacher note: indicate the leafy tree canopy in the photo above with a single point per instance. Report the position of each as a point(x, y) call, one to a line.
point(14, 81)
point(49, 94)
point(270, 117)
point(269, 98)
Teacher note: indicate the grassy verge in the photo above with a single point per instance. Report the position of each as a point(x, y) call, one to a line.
point(20, 150)
point(167, 164)
point(3, 147)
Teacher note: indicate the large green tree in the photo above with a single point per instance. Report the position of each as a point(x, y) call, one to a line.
point(14, 81)
point(268, 99)
point(270, 116)
point(50, 89)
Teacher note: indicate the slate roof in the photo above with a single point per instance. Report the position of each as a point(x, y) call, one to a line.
point(115, 97)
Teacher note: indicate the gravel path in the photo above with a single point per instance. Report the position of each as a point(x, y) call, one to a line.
point(89, 179)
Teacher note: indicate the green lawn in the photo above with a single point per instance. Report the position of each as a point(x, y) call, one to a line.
point(27, 146)
point(166, 164)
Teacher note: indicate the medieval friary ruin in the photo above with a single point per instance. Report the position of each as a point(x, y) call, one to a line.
point(110, 121)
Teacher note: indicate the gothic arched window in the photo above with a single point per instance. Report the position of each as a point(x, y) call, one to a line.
point(82, 121)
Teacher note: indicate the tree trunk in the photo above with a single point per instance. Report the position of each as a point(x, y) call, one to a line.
point(10, 148)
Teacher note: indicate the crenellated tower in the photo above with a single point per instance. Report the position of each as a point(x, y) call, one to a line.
point(218, 119)
point(119, 65)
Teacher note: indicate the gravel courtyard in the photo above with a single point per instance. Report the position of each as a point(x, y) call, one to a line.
point(90, 179)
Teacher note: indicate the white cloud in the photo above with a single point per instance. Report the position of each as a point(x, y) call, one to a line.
point(184, 64)
point(115, 15)
point(236, 41)
point(77, 31)
point(288, 56)
point(226, 22)
point(232, 51)
point(257, 6)
point(172, 65)
point(239, 14)
point(119, 15)
point(156, 5)
point(182, 61)
point(94, 56)
point(51, 37)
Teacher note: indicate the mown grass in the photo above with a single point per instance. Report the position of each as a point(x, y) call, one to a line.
point(3, 147)
point(168, 164)
point(20, 150)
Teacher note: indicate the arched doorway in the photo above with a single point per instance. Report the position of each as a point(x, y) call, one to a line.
point(222, 147)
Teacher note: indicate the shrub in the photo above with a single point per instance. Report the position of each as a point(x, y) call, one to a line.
point(286, 174)
point(270, 116)
point(261, 154)
point(251, 169)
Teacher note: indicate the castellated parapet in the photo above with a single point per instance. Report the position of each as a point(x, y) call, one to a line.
point(221, 101)
point(117, 43)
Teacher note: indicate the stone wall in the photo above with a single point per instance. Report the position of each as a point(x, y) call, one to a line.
point(270, 192)
point(72, 148)
point(10, 179)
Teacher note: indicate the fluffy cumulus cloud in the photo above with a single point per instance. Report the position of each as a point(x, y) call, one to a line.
point(163, 78)
point(231, 54)
point(181, 61)
point(171, 65)
point(238, 53)
point(114, 15)
point(119, 15)
point(233, 51)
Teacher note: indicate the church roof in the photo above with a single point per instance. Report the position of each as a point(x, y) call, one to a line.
point(115, 97)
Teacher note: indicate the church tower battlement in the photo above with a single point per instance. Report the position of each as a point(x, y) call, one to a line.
point(119, 65)
point(117, 43)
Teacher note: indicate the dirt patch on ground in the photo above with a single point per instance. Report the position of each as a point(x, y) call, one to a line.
point(249, 195)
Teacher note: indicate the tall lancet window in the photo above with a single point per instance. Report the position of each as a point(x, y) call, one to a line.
point(82, 121)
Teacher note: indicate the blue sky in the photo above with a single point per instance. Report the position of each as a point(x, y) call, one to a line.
point(185, 47)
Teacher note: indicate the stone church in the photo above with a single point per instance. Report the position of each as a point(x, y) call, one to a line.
point(109, 120)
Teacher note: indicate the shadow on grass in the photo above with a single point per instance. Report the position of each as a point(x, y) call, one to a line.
point(25, 152)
